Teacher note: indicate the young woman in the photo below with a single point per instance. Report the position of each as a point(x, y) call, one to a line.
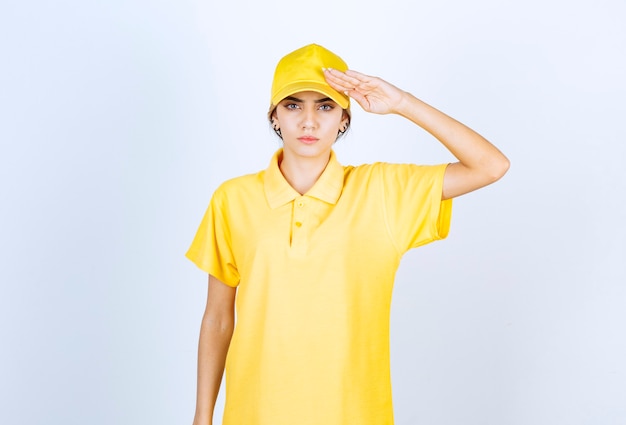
point(307, 250)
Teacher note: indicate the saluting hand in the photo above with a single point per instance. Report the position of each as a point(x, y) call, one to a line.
point(372, 93)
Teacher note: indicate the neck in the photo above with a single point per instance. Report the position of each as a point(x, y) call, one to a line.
point(302, 173)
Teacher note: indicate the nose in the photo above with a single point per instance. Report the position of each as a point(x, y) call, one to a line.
point(308, 118)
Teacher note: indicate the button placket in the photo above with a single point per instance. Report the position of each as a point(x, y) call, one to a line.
point(299, 222)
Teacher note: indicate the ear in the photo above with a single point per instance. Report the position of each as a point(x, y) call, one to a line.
point(345, 122)
point(274, 120)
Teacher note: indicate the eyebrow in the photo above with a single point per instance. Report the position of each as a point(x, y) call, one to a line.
point(295, 99)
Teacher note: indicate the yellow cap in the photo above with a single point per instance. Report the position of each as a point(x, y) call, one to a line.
point(302, 70)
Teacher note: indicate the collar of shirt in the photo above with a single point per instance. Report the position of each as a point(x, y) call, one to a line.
point(327, 188)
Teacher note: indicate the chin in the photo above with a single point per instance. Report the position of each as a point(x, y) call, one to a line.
point(309, 151)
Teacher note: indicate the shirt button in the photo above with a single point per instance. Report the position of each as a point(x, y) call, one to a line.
point(300, 204)
point(298, 224)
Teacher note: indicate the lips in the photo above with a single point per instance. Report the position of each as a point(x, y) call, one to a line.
point(308, 139)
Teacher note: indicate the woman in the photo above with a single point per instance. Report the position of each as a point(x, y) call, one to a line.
point(307, 250)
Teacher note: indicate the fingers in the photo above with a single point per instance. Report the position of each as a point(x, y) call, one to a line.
point(357, 75)
point(360, 99)
point(372, 93)
point(350, 85)
point(346, 81)
point(338, 80)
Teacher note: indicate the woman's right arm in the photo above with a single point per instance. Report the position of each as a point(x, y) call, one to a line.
point(215, 334)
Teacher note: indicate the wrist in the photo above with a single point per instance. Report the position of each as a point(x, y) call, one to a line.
point(405, 104)
point(202, 419)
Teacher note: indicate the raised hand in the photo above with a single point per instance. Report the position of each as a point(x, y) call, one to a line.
point(372, 93)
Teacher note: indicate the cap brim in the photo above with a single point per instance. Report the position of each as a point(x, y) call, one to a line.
point(299, 86)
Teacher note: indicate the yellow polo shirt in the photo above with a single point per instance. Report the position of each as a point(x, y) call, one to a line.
point(315, 274)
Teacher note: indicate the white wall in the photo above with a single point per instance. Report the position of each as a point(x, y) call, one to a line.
point(119, 118)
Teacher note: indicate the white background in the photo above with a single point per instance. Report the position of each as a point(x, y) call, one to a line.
point(118, 119)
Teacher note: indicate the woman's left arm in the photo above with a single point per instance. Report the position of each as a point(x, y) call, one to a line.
point(479, 162)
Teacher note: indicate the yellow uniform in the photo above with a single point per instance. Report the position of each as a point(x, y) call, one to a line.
point(315, 275)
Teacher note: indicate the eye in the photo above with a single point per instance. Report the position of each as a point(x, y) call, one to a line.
point(291, 106)
point(326, 107)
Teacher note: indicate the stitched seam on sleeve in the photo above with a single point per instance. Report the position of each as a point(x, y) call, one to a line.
point(384, 209)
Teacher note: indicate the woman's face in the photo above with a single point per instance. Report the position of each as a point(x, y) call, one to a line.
point(309, 123)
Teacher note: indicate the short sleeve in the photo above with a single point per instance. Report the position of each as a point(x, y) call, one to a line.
point(414, 210)
point(211, 249)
